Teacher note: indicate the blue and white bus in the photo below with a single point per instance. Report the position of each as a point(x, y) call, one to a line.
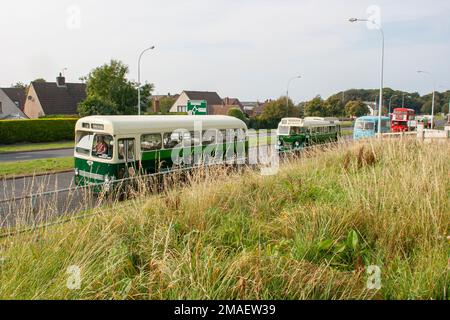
point(367, 127)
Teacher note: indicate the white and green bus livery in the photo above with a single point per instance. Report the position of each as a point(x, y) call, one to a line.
point(110, 148)
point(296, 133)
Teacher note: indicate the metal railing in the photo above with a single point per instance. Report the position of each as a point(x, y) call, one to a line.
point(30, 205)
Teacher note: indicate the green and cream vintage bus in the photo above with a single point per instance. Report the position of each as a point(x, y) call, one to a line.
point(111, 148)
point(295, 134)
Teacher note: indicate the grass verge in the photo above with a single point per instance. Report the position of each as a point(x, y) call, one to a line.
point(31, 167)
point(309, 232)
point(35, 146)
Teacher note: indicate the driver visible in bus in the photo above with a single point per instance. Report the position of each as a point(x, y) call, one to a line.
point(101, 148)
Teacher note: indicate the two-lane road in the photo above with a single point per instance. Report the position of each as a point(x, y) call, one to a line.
point(17, 207)
point(16, 188)
point(35, 155)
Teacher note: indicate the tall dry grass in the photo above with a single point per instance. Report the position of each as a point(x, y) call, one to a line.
point(308, 232)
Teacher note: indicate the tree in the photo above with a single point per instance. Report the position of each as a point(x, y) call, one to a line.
point(165, 104)
point(109, 92)
point(20, 85)
point(334, 107)
point(427, 107)
point(276, 110)
point(316, 108)
point(96, 105)
point(356, 109)
point(237, 113)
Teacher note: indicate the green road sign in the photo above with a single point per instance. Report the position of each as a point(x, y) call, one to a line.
point(197, 108)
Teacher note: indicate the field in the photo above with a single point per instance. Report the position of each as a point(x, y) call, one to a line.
point(31, 167)
point(313, 231)
point(35, 146)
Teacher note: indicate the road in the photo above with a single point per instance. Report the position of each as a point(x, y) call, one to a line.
point(34, 155)
point(15, 188)
point(45, 206)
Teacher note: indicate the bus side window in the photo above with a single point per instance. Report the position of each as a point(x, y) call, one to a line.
point(241, 135)
point(171, 140)
point(151, 142)
point(209, 137)
point(126, 149)
point(225, 136)
point(195, 138)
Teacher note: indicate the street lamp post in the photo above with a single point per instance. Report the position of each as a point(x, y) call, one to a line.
point(390, 103)
point(403, 99)
point(287, 93)
point(380, 107)
point(139, 77)
point(434, 95)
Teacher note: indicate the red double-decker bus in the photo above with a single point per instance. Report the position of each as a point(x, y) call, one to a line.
point(401, 120)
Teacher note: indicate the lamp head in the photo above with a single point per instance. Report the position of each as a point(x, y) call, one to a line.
point(352, 20)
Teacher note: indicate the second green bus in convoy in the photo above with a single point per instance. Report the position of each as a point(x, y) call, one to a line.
point(295, 134)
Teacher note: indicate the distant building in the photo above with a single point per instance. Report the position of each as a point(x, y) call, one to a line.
point(249, 106)
point(254, 109)
point(216, 105)
point(156, 101)
point(226, 106)
point(12, 101)
point(373, 108)
point(53, 98)
point(211, 98)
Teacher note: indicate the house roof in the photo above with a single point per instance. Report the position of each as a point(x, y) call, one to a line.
point(232, 102)
point(16, 95)
point(162, 96)
point(212, 98)
point(59, 100)
point(220, 110)
point(259, 109)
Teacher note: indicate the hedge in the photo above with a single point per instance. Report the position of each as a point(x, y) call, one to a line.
point(36, 130)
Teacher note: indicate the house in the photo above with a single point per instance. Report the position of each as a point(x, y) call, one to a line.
point(12, 101)
point(373, 108)
point(225, 107)
point(233, 102)
point(253, 109)
point(211, 98)
point(249, 106)
point(157, 99)
point(53, 98)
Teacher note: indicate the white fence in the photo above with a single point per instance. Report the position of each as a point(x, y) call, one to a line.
point(422, 134)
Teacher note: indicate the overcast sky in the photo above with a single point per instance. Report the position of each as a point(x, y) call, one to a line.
point(246, 49)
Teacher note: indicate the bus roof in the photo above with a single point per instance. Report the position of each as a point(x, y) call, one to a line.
point(404, 110)
point(309, 122)
point(373, 118)
point(149, 124)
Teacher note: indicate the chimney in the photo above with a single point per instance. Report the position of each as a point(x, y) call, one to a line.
point(60, 81)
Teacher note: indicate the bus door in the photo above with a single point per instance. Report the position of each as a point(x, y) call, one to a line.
point(127, 153)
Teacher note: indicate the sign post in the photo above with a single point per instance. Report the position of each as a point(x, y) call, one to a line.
point(197, 108)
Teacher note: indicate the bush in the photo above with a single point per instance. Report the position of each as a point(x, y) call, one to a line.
point(237, 113)
point(36, 130)
point(61, 116)
point(259, 123)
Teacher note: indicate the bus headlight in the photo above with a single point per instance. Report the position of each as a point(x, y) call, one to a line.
point(297, 144)
point(77, 172)
point(280, 143)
